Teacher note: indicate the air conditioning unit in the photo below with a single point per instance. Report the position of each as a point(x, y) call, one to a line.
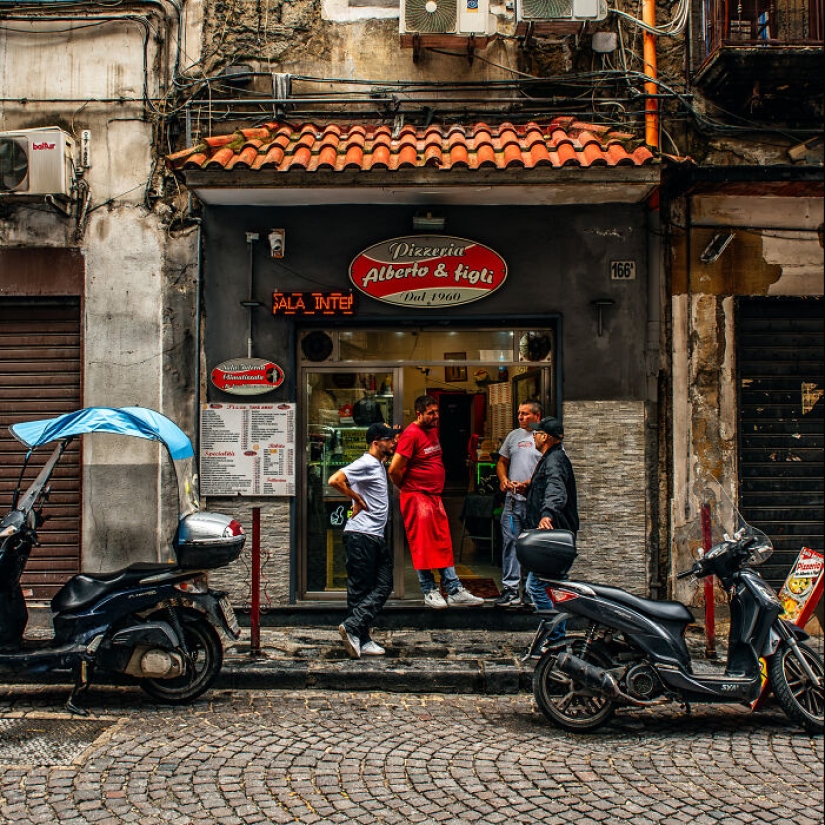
point(458, 17)
point(541, 11)
point(36, 163)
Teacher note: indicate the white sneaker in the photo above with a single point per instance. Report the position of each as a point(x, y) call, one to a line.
point(463, 596)
point(435, 600)
point(372, 648)
point(351, 643)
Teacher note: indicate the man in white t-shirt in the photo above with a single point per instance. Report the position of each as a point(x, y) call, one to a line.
point(517, 458)
point(369, 559)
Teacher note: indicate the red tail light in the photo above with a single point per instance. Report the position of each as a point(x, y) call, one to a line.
point(234, 528)
point(562, 595)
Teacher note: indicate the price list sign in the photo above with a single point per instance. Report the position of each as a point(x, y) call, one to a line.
point(247, 450)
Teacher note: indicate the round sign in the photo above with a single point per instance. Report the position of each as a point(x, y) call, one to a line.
point(428, 271)
point(247, 376)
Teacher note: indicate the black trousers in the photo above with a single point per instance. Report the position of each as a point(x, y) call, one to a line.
point(369, 581)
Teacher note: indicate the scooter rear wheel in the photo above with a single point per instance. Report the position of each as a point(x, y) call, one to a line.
point(801, 700)
point(206, 654)
point(561, 699)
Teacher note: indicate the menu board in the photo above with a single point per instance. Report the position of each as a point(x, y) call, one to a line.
point(247, 450)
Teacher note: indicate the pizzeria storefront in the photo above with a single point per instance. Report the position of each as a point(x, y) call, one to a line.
point(356, 295)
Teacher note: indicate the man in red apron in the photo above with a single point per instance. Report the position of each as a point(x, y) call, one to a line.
point(418, 472)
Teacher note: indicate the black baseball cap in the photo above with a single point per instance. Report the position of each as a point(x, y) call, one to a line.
point(377, 432)
point(551, 426)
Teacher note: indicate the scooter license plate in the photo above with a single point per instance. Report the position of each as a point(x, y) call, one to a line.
point(229, 615)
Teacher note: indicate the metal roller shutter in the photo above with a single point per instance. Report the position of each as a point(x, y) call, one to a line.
point(40, 378)
point(781, 348)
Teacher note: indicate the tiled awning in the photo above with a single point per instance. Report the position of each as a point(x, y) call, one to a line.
point(283, 156)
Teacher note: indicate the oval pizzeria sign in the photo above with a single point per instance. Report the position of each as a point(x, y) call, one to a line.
point(247, 376)
point(428, 271)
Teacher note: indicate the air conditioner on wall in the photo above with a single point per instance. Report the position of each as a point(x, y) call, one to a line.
point(457, 17)
point(541, 11)
point(35, 163)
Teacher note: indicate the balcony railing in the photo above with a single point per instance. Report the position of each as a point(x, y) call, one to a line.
point(764, 23)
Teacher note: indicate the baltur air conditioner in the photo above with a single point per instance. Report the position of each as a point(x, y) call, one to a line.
point(458, 17)
point(542, 11)
point(36, 163)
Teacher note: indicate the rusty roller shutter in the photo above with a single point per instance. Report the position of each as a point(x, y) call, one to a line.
point(40, 378)
point(781, 381)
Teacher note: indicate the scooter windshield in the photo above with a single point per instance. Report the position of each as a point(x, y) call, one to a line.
point(727, 522)
point(133, 421)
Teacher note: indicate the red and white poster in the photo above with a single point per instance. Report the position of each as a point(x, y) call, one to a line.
point(799, 596)
point(247, 376)
point(428, 271)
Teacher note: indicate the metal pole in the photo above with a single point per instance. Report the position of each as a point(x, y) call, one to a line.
point(710, 606)
point(255, 606)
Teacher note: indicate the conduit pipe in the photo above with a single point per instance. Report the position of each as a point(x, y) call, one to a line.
point(650, 70)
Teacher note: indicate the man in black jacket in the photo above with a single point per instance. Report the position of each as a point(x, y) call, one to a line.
point(551, 496)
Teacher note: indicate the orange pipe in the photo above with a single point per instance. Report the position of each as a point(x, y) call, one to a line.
point(651, 104)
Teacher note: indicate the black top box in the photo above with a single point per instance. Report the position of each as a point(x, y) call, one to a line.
point(548, 553)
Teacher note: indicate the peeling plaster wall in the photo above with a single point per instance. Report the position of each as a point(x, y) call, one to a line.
point(776, 251)
point(140, 282)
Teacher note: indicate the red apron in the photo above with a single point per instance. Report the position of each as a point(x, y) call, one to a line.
point(428, 531)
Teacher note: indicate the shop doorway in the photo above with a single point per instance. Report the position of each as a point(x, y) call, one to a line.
point(350, 378)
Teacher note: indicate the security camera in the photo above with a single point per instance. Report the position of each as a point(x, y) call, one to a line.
point(277, 241)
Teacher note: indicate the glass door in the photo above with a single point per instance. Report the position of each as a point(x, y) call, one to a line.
point(340, 406)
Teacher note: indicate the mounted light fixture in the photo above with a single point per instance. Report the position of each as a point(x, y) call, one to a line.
point(428, 222)
point(601, 304)
point(717, 245)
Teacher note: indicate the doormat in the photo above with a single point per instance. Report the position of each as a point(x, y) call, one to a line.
point(484, 588)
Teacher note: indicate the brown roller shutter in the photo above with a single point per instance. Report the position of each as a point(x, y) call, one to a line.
point(40, 358)
point(781, 350)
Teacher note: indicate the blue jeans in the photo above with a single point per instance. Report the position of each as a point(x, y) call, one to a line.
point(449, 578)
point(512, 523)
point(542, 601)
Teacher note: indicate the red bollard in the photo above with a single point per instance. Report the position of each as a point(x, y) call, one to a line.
point(710, 604)
point(255, 605)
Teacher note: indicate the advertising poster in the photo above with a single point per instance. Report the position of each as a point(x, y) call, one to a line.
point(247, 450)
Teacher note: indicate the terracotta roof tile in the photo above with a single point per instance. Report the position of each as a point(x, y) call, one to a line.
point(558, 142)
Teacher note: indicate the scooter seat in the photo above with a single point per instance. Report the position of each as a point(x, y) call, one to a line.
point(85, 588)
point(666, 611)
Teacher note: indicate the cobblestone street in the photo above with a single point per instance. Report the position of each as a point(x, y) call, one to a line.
point(314, 757)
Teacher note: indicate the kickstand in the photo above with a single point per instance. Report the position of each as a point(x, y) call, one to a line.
point(688, 709)
point(81, 685)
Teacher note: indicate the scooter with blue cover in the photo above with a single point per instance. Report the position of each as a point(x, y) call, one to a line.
point(156, 622)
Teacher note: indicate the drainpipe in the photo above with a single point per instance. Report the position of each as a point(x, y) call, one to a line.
point(650, 70)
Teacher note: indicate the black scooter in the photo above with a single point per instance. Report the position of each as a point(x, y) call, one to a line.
point(634, 652)
point(158, 622)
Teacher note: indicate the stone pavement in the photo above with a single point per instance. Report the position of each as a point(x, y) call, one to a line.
point(427, 652)
point(322, 756)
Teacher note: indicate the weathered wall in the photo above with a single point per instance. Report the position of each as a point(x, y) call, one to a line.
point(776, 251)
point(140, 292)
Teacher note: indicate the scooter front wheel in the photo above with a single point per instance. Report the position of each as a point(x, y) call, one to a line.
point(800, 698)
point(564, 701)
point(206, 660)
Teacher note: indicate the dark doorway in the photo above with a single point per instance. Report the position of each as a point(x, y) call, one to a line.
point(781, 442)
point(455, 411)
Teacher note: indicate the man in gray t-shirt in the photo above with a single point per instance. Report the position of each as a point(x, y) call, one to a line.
point(369, 559)
point(517, 458)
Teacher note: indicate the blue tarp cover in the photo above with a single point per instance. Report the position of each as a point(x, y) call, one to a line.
point(135, 421)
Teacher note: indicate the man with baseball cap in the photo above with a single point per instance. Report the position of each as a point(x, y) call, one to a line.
point(369, 559)
point(551, 496)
